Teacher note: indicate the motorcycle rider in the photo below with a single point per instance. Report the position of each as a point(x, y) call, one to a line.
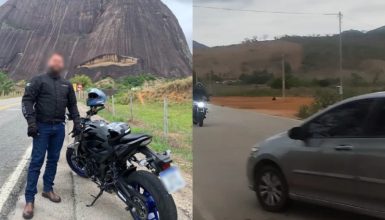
point(200, 93)
point(44, 106)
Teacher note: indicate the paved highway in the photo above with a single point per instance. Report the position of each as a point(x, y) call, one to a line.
point(221, 148)
point(13, 136)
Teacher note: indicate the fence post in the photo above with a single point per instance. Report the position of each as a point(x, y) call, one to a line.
point(131, 111)
point(165, 118)
point(113, 106)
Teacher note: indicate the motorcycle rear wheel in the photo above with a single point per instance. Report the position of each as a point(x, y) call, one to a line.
point(159, 202)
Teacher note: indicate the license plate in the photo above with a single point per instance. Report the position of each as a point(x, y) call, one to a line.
point(172, 179)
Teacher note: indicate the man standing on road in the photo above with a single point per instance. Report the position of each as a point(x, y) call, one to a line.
point(44, 106)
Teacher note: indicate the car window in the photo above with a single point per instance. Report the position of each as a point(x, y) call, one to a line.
point(347, 120)
point(377, 121)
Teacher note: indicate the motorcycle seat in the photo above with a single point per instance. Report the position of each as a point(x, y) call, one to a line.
point(134, 138)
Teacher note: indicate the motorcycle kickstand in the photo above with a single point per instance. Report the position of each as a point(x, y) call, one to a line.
point(96, 198)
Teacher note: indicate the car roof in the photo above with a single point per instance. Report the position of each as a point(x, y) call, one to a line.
point(368, 96)
point(374, 95)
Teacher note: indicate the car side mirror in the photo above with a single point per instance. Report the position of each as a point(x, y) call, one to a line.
point(297, 133)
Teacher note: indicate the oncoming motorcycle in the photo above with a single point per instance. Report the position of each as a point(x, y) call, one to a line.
point(199, 112)
point(110, 155)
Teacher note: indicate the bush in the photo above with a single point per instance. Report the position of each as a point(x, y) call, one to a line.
point(6, 84)
point(357, 80)
point(135, 81)
point(322, 99)
point(325, 98)
point(303, 112)
point(257, 77)
point(107, 83)
point(290, 81)
point(325, 82)
point(83, 80)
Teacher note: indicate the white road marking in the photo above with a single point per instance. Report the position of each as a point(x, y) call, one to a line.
point(8, 185)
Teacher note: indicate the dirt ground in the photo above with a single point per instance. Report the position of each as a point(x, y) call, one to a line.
point(287, 107)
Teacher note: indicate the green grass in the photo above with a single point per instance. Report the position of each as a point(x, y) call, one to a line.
point(148, 118)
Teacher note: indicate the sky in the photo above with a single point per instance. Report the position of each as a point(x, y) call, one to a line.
point(219, 27)
point(182, 10)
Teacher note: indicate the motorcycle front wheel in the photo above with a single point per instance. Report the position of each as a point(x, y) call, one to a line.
point(155, 202)
point(79, 169)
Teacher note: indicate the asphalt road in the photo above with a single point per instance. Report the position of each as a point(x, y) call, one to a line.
point(221, 148)
point(13, 136)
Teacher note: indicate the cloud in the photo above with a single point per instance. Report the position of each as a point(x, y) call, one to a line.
point(215, 27)
point(221, 1)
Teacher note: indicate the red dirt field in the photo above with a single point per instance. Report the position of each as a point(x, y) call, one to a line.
point(287, 107)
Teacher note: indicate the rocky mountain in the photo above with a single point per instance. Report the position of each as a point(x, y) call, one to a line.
point(97, 37)
point(197, 45)
point(313, 56)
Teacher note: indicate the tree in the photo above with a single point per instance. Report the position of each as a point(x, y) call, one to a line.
point(6, 84)
point(250, 40)
point(83, 80)
point(257, 77)
point(290, 81)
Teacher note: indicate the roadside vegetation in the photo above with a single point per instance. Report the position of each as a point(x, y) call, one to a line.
point(9, 87)
point(148, 118)
point(146, 93)
point(324, 90)
point(6, 84)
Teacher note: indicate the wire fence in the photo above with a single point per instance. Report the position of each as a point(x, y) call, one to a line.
point(129, 114)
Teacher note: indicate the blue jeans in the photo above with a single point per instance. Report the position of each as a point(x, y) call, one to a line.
point(50, 140)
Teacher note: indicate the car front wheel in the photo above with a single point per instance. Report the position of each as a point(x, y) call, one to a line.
point(271, 189)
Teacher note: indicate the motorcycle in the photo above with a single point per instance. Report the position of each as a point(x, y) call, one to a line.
point(199, 112)
point(110, 155)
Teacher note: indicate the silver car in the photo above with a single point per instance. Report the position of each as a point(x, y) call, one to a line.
point(335, 158)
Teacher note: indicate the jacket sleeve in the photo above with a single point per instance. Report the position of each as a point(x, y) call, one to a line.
point(72, 106)
point(31, 92)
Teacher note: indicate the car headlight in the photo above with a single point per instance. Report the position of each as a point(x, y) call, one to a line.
point(255, 148)
point(201, 104)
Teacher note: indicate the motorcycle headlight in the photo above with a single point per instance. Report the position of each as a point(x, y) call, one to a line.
point(201, 104)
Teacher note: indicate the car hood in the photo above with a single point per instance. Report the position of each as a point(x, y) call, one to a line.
point(276, 141)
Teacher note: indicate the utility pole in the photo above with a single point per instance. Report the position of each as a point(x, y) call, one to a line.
point(210, 81)
point(341, 87)
point(283, 77)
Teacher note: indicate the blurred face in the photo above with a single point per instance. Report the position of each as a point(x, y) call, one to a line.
point(56, 63)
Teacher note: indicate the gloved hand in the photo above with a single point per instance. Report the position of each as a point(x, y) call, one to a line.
point(76, 130)
point(32, 129)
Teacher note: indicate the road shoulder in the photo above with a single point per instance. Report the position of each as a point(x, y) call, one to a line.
point(76, 194)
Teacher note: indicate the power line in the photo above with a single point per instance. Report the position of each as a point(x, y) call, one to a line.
point(339, 15)
point(264, 11)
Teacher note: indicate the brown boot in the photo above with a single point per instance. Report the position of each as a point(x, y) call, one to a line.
point(28, 210)
point(53, 197)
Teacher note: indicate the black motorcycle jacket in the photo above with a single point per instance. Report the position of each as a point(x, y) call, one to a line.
point(46, 98)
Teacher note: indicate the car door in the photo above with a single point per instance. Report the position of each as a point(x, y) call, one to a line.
point(370, 162)
point(324, 168)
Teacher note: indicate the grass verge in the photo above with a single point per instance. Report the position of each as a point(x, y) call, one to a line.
point(148, 118)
